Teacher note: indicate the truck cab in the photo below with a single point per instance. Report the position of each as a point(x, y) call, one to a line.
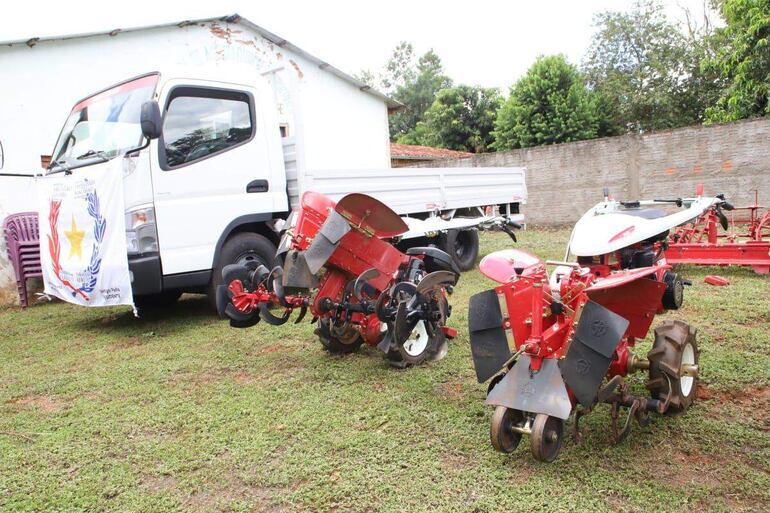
point(207, 191)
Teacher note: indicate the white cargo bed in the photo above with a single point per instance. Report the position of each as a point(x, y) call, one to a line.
point(411, 190)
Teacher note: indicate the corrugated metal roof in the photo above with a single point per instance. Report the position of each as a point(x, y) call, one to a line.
point(233, 18)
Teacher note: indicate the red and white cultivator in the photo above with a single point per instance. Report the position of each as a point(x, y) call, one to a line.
point(745, 241)
point(358, 287)
point(551, 346)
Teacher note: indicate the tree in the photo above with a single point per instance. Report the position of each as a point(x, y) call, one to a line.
point(460, 118)
point(412, 83)
point(743, 60)
point(641, 65)
point(418, 94)
point(549, 105)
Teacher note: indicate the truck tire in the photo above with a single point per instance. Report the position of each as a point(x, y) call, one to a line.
point(239, 249)
point(462, 246)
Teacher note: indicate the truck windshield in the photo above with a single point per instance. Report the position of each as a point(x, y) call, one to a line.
point(105, 125)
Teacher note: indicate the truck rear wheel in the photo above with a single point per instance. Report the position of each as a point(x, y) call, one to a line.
point(241, 249)
point(462, 246)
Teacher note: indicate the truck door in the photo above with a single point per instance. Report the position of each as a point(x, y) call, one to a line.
point(211, 166)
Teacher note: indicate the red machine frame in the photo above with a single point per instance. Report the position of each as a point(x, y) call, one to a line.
point(747, 243)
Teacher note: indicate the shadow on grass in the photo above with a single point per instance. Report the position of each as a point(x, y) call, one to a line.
point(189, 313)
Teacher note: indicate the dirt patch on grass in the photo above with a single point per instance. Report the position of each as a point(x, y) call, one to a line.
point(456, 462)
point(741, 396)
point(129, 342)
point(682, 469)
point(243, 378)
point(43, 403)
point(231, 489)
point(160, 484)
point(754, 402)
point(450, 390)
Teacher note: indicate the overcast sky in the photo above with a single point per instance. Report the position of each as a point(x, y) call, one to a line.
point(483, 42)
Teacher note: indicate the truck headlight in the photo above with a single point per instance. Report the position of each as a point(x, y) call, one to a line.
point(141, 233)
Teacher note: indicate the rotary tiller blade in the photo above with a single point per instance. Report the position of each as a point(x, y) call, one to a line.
point(240, 319)
point(275, 284)
point(387, 341)
point(235, 272)
point(267, 315)
point(302, 312)
point(435, 280)
point(223, 299)
point(403, 325)
point(259, 275)
point(361, 284)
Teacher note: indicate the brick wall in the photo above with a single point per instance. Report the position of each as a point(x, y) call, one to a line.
point(565, 180)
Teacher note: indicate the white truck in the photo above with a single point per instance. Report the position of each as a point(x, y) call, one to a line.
point(212, 179)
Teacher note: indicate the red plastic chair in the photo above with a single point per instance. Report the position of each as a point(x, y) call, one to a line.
point(22, 239)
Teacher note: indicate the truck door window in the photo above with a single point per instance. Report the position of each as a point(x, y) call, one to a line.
point(201, 122)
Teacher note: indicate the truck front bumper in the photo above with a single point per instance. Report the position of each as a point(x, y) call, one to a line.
point(146, 275)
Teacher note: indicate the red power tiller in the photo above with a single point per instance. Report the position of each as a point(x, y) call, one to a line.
point(745, 243)
point(549, 344)
point(359, 287)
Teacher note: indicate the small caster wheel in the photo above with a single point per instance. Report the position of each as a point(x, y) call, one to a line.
point(504, 438)
point(547, 436)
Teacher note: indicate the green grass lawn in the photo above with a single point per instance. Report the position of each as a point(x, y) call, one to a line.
point(177, 411)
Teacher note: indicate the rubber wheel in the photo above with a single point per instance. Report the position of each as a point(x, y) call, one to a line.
point(675, 344)
point(503, 438)
point(240, 249)
point(674, 293)
point(547, 436)
point(462, 246)
point(338, 343)
point(161, 300)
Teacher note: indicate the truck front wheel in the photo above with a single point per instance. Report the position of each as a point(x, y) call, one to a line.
point(462, 246)
point(241, 248)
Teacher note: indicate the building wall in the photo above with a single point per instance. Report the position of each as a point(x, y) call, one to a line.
point(565, 180)
point(339, 125)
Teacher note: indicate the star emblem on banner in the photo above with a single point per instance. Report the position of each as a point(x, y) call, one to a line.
point(75, 237)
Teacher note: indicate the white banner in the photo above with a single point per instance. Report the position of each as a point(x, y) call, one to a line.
point(83, 236)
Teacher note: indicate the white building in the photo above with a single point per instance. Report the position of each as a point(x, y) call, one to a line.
point(343, 123)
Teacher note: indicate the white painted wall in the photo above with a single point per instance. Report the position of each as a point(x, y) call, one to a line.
point(338, 125)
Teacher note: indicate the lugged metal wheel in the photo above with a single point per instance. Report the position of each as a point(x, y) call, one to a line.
point(547, 436)
point(503, 438)
point(673, 361)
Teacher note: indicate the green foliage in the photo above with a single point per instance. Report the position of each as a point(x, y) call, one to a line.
point(549, 105)
point(743, 60)
point(412, 81)
point(648, 71)
point(461, 118)
point(417, 93)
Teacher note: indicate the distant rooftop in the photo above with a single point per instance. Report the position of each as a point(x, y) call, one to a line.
point(412, 152)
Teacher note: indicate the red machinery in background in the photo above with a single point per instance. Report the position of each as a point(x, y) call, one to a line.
point(745, 240)
point(360, 289)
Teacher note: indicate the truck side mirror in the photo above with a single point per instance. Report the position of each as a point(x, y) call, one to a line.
point(150, 120)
